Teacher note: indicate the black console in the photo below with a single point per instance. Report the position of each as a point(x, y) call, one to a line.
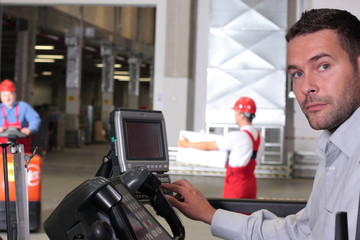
point(103, 209)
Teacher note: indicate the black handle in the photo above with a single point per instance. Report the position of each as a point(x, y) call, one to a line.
point(341, 226)
point(151, 187)
point(165, 210)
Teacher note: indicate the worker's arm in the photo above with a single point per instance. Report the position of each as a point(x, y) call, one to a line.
point(25, 131)
point(198, 145)
point(32, 118)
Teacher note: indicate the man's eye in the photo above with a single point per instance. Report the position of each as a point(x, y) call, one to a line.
point(297, 75)
point(323, 67)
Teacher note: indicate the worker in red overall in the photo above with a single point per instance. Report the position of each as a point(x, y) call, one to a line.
point(245, 149)
point(17, 114)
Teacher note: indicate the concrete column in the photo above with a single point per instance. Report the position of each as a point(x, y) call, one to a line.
point(107, 82)
point(133, 90)
point(175, 96)
point(21, 57)
point(200, 60)
point(73, 82)
point(24, 58)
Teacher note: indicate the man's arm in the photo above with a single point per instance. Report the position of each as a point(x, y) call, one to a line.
point(231, 225)
point(32, 118)
point(197, 145)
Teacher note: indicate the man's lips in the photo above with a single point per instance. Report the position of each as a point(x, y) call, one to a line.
point(314, 106)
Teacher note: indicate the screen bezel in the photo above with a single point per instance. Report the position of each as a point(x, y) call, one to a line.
point(120, 161)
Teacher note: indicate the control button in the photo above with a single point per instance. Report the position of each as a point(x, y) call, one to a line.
point(149, 236)
point(158, 230)
point(154, 233)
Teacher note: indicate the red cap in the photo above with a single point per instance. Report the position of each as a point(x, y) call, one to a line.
point(245, 105)
point(7, 85)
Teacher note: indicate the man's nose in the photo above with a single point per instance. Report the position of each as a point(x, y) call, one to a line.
point(310, 85)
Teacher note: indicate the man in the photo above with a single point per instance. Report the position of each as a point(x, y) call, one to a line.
point(323, 61)
point(16, 114)
point(245, 149)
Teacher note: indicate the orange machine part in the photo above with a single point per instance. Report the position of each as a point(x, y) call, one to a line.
point(34, 178)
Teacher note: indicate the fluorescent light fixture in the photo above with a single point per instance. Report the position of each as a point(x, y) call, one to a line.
point(41, 60)
point(127, 78)
point(121, 72)
point(44, 47)
point(100, 65)
point(46, 73)
point(122, 78)
point(43, 56)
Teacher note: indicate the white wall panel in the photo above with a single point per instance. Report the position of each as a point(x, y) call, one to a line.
point(247, 57)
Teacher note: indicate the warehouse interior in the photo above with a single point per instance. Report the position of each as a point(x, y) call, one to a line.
point(76, 61)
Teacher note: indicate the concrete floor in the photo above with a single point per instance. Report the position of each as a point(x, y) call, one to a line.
point(65, 170)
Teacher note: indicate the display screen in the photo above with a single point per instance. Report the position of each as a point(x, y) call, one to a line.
point(143, 140)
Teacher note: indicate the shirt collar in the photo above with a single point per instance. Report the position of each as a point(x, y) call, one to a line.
point(345, 137)
point(246, 127)
point(12, 105)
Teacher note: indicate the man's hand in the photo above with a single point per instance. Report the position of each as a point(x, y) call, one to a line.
point(183, 142)
point(25, 131)
point(194, 205)
point(1, 129)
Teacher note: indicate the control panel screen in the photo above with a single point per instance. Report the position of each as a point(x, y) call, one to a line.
point(144, 140)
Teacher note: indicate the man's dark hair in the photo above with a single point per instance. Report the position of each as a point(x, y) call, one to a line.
point(344, 23)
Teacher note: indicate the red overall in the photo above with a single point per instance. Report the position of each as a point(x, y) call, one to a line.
point(26, 141)
point(240, 182)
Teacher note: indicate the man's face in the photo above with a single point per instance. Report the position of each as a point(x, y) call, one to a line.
point(237, 117)
point(325, 83)
point(8, 98)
